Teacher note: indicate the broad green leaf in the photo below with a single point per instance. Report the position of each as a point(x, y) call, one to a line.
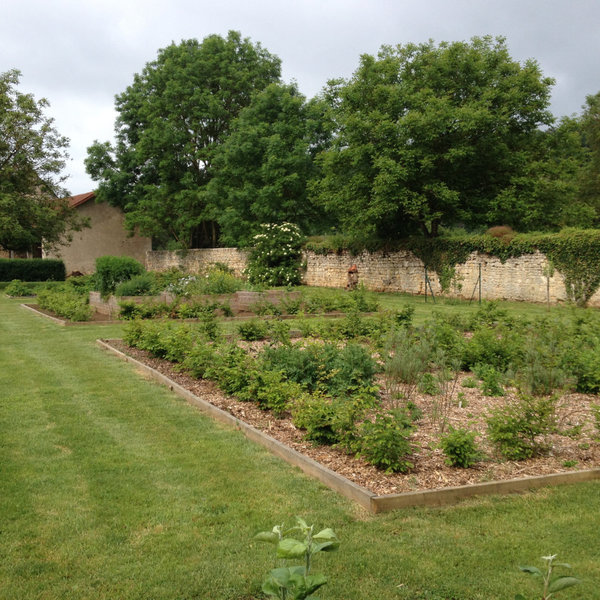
point(280, 576)
point(561, 583)
point(270, 588)
point(302, 523)
point(290, 548)
point(325, 535)
point(325, 547)
point(565, 565)
point(267, 536)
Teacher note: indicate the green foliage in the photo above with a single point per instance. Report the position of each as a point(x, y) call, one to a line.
point(17, 288)
point(65, 302)
point(198, 359)
point(112, 270)
point(217, 279)
point(252, 330)
point(460, 448)
point(491, 379)
point(138, 285)
point(270, 390)
point(296, 583)
point(262, 168)
point(493, 346)
point(33, 204)
point(551, 582)
point(428, 384)
point(32, 269)
point(385, 443)
point(418, 146)
point(275, 258)
point(516, 429)
point(172, 120)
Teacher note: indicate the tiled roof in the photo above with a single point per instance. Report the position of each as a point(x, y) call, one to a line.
point(81, 199)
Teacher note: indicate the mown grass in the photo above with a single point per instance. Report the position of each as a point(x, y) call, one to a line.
point(111, 487)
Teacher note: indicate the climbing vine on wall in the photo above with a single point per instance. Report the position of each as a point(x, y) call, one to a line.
point(575, 253)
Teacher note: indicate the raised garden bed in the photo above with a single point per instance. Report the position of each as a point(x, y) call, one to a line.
point(430, 483)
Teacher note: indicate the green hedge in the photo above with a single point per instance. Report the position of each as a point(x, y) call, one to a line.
point(112, 270)
point(32, 269)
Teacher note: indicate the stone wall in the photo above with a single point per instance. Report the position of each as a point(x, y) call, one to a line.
point(194, 261)
point(521, 279)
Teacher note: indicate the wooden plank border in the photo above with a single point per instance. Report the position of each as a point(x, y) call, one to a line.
point(345, 487)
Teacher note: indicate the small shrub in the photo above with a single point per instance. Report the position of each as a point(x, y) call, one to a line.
point(428, 384)
point(404, 316)
point(252, 330)
point(385, 442)
point(316, 414)
point(279, 332)
point(140, 285)
point(17, 289)
point(66, 303)
point(198, 359)
point(516, 428)
point(269, 390)
point(460, 448)
point(112, 270)
point(469, 382)
point(491, 380)
point(497, 347)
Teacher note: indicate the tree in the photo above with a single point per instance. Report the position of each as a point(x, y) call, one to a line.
point(32, 156)
point(171, 121)
point(430, 135)
point(590, 177)
point(263, 167)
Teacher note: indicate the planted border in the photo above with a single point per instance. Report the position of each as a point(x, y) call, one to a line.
point(340, 484)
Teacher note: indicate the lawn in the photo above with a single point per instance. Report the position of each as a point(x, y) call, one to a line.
point(112, 487)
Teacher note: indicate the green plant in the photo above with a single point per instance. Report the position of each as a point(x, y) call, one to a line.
point(198, 359)
point(296, 583)
point(516, 429)
point(275, 258)
point(384, 442)
point(596, 414)
point(551, 583)
point(112, 270)
point(460, 448)
point(32, 269)
point(65, 302)
point(569, 463)
point(428, 384)
point(491, 380)
point(253, 330)
point(16, 288)
point(279, 332)
point(139, 285)
point(269, 390)
point(469, 382)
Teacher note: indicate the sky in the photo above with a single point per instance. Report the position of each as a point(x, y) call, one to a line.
point(79, 54)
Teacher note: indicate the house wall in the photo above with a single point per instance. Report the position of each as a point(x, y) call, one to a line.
point(106, 236)
point(520, 279)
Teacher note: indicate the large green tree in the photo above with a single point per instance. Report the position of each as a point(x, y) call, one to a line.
point(32, 157)
point(263, 167)
point(171, 121)
point(589, 123)
point(431, 135)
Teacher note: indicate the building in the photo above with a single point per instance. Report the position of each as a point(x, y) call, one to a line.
point(105, 236)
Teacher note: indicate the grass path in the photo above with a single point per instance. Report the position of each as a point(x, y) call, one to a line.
point(112, 488)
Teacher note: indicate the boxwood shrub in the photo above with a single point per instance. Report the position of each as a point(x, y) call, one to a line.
point(32, 269)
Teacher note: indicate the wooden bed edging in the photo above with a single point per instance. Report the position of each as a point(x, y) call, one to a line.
point(352, 491)
point(308, 465)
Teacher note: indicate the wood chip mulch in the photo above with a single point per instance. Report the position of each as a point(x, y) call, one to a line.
point(568, 453)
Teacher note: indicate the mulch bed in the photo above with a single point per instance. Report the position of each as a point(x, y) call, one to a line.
point(430, 470)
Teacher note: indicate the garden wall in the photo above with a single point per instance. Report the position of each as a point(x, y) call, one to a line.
point(520, 279)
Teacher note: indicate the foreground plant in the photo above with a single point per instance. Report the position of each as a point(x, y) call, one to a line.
point(552, 583)
point(296, 582)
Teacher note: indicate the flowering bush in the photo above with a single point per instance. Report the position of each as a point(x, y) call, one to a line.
point(275, 258)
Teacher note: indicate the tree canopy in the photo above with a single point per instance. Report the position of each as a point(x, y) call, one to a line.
point(430, 135)
point(32, 156)
point(171, 121)
point(263, 167)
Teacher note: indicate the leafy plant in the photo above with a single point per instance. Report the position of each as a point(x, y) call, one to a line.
point(551, 583)
point(17, 288)
point(384, 442)
point(112, 270)
point(296, 582)
point(491, 380)
point(460, 448)
point(516, 428)
point(140, 285)
point(65, 302)
point(252, 330)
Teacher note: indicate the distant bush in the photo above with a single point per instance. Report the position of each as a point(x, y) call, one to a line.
point(112, 270)
point(139, 285)
point(32, 269)
point(460, 448)
point(65, 303)
point(17, 288)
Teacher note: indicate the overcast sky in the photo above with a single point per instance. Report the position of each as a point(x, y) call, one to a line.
point(80, 53)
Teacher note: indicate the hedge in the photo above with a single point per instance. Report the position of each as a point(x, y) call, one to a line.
point(32, 269)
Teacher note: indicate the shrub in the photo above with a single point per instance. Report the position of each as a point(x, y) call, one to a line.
point(112, 270)
point(428, 384)
point(32, 269)
point(252, 330)
point(216, 279)
point(491, 380)
point(497, 347)
point(514, 429)
point(460, 448)
point(384, 442)
point(17, 288)
point(270, 391)
point(198, 359)
point(275, 258)
point(140, 285)
point(231, 368)
point(65, 303)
